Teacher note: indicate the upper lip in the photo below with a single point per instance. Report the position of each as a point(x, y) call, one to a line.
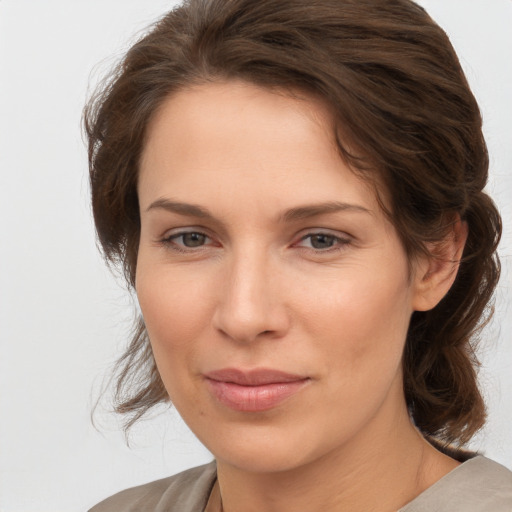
point(254, 377)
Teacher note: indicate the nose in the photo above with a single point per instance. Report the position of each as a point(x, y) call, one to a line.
point(251, 300)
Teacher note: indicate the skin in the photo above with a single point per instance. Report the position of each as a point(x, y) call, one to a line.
point(326, 295)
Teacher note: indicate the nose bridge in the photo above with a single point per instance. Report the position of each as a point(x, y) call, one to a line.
point(250, 303)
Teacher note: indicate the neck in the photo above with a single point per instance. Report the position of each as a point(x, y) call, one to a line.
point(381, 469)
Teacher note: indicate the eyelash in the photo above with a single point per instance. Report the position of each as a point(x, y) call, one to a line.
point(169, 241)
point(339, 242)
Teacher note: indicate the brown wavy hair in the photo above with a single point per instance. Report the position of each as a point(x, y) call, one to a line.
point(405, 117)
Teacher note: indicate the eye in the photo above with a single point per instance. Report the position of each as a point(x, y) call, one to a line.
point(192, 239)
point(186, 240)
point(323, 242)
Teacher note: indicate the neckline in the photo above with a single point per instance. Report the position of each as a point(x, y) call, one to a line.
point(446, 480)
point(214, 503)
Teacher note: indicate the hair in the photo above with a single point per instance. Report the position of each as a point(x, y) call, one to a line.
point(405, 116)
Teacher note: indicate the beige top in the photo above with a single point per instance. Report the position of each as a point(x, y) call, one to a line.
point(477, 485)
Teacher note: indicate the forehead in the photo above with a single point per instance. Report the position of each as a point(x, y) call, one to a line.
point(264, 113)
point(238, 136)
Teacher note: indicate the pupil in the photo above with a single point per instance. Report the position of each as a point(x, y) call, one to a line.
point(322, 241)
point(193, 239)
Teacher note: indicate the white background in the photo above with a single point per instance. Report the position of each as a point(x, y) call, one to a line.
point(63, 318)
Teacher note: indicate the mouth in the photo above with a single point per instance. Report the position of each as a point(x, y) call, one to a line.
point(254, 390)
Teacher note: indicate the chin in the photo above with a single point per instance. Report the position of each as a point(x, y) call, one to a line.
point(266, 449)
point(274, 461)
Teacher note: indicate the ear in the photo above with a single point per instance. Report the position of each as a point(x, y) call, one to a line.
point(435, 273)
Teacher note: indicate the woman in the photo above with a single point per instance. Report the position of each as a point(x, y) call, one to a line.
point(295, 191)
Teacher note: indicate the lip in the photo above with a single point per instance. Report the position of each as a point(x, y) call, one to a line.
point(253, 390)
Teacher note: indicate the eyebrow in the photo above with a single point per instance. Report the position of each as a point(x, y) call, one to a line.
point(192, 210)
point(291, 215)
point(314, 210)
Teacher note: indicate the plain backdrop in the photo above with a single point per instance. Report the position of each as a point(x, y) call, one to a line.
point(64, 318)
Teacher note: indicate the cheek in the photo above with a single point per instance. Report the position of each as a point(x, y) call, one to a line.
point(172, 302)
point(363, 323)
point(364, 335)
point(175, 310)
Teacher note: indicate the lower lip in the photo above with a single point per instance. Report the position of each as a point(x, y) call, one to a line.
point(254, 398)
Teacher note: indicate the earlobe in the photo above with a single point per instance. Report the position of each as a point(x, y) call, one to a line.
point(436, 272)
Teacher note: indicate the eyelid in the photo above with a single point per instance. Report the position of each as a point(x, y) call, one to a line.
point(183, 230)
point(169, 237)
point(341, 239)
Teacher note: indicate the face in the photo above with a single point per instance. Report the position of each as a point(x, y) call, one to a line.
point(275, 292)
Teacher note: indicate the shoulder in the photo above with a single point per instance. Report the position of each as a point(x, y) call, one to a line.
point(184, 492)
point(477, 485)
